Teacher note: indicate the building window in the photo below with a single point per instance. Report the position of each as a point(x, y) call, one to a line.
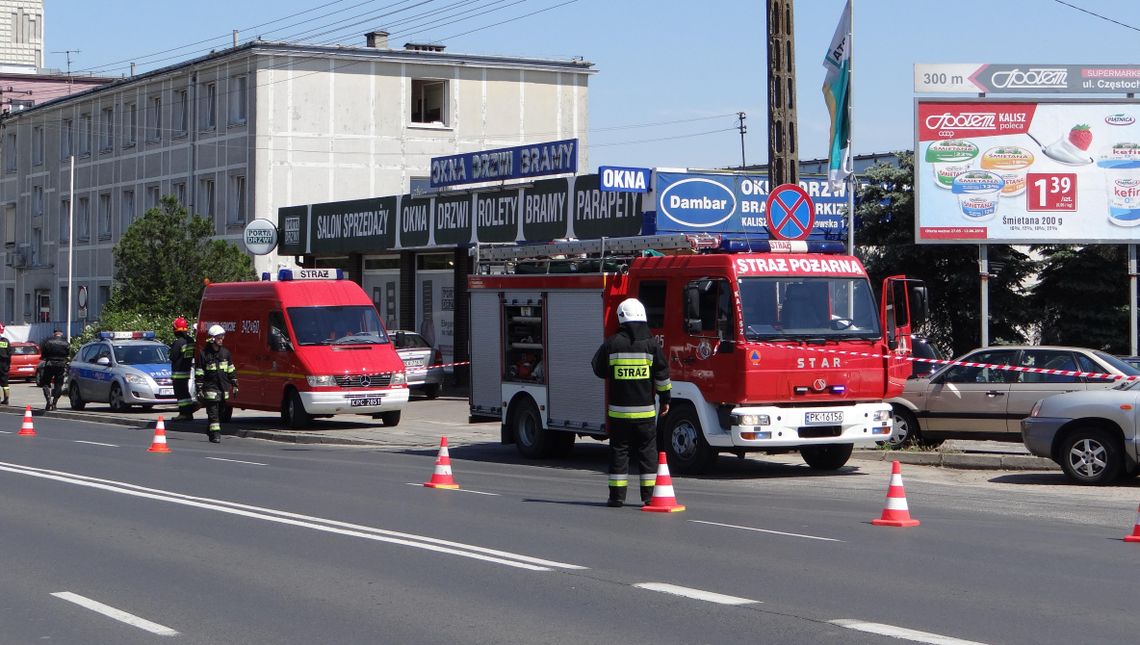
point(154, 119)
point(66, 138)
point(127, 208)
point(429, 102)
point(181, 112)
point(9, 226)
point(180, 192)
point(84, 135)
point(83, 215)
point(235, 215)
point(37, 246)
point(239, 95)
point(38, 146)
point(64, 219)
point(107, 130)
point(105, 216)
point(130, 124)
point(10, 152)
point(209, 105)
point(206, 199)
point(37, 201)
point(152, 197)
point(104, 297)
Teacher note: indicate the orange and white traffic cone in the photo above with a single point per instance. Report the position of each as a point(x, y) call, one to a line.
point(896, 513)
point(26, 428)
point(1135, 537)
point(663, 500)
point(441, 476)
point(159, 442)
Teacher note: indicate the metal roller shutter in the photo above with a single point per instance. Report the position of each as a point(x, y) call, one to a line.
point(486, 351)
point(575, 329)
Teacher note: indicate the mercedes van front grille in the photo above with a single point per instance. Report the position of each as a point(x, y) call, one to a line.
point(364, 380)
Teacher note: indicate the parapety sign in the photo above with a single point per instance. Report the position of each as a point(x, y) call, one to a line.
point(1000, 78)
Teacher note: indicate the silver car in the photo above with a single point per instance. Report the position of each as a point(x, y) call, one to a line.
point(988, 402)
point(421, 361)
point(1091, 435)
point(121, 372)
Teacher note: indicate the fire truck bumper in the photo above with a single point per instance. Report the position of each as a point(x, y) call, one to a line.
point(861, 424)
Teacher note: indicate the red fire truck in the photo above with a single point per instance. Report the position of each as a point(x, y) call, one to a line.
point(772, 346)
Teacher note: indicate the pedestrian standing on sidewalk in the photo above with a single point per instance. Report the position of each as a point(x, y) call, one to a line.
point(181, 366)
point(5, 363)
point(55, 354)
point(215, 375)
point(634, 367)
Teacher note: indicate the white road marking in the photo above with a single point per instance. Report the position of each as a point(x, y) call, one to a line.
point(458, 490)
point(5, 432)
point(117, 614)
point(749, 528)
point(238, 461)
point(696, 594)
point(900, 632)
point(96, 443)
point(295, 519)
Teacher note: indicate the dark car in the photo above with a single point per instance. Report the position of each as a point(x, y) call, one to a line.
point(921, 347)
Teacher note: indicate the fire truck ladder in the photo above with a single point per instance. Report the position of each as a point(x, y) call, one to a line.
point(613, 248)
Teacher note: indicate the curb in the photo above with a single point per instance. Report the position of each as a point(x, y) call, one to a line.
point(960, 461)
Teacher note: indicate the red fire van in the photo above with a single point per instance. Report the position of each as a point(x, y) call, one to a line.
point(308, 344)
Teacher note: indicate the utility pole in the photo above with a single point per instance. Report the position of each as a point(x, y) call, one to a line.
point(68, 52)
point(783, 136)
point(743, 128)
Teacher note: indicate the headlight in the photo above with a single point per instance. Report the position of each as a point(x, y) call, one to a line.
point(135, 379)
point(751, 419)
point(399, 378)
point(1036, 408)
point(883, 416)
point(321, 381)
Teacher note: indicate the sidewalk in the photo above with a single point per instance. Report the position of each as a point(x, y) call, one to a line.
point(424, 422)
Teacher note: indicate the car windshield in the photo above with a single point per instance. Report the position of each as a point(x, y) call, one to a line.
point(409, 340)
point(155, 354)
point(340, 325)
point(1124, 367)
point(24, 349)
point(813, 307)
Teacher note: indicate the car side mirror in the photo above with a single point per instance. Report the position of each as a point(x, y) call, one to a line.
point(103, 360)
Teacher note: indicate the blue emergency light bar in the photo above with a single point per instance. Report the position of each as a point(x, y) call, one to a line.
point(126, 335)
point(286, 275)
point(749, 245)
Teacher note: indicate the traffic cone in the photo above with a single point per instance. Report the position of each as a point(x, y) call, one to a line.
point(663, 500)
point(1135, 537)
point(441, 476)
point(895, 513)
point(159, 442)
point(26, 429)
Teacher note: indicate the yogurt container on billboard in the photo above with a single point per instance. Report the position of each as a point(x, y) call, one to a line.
point(1121, 165)
point(1009, 163)
point(950, 158)
point(978, 192)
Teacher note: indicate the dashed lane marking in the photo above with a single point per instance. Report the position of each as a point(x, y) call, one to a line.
point(750, 528)
point(117, 614)
point(237, 461)
point(901, 632)
point(458, 490)
point(696, 594)
point(95, 443)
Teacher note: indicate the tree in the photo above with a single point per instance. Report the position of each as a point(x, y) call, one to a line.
point(1082, 297)
point(885, 221)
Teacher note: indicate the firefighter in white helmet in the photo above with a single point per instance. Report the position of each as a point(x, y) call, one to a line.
point(215, 376)
point(634, 367)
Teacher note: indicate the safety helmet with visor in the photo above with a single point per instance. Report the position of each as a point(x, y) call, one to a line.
point(631, 310)
point(215, 332)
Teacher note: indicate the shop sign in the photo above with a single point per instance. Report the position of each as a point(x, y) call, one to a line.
point(534, 160)
point(452, 220)
point(415, 221)
point(598, 213)
point(352, 225)
point(497, 216)
point(624, 180)
point(991, 78)
point(260, 236)
point(293, 222)
point(544, 210)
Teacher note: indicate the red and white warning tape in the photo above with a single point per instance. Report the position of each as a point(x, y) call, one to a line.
point(449, 364)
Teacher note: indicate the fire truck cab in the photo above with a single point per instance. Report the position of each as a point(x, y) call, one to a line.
point(772, 346)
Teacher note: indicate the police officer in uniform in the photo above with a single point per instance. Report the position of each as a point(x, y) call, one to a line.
point(181, 365)
point(215, 374)
point(5, 364)
point(634, 367)
point(55, 354)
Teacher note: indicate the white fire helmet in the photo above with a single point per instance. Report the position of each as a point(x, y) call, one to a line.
point(216, 331)
point(631, 310)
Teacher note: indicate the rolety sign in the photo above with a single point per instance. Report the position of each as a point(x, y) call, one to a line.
point(1027, 171)
point(952, 78)
point(497, 216)
point(359, 223)
point(737, 203)
point(535, 160)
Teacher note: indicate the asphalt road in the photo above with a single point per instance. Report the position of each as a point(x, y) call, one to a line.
point(260, 542)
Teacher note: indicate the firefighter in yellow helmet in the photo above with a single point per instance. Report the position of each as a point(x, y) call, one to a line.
point(215, 376)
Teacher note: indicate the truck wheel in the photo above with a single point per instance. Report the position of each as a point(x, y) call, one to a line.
point(905, 431)
point(293, 411)
point(684, 442)
point(829, 456)
point(74, 398)
point(390, 419)
point(1091, 456)
point(116, 399)
point(530, 437)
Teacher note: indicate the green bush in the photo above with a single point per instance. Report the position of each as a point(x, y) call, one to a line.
point(129, 321)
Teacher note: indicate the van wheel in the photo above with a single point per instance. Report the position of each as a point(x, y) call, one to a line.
point(293, 411)
point(390, 419)
point(829, 456)
point(116, 399)
point(74, 398)
point(684, 442)
point(530, 437)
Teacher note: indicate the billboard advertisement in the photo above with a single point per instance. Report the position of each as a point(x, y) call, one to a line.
point(1019, 172)
point(992, 78)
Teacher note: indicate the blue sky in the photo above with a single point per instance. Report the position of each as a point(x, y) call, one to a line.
point(672, 74)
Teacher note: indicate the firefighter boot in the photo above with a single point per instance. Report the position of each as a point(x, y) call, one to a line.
point(617, 497)
point(215, 436)
point(646, 494)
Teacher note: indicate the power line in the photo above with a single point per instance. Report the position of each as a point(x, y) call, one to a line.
point(1097, 15)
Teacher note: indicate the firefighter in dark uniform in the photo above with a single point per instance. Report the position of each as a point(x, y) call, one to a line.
point(5, 364)
point(55, 354)
point(634, 367)
point(181, 367)
point(215, 375)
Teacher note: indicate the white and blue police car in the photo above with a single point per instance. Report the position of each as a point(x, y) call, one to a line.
point(121, 368)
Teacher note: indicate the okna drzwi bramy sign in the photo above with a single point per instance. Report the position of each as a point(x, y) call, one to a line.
point(994, 78)
point(689, 202)
point(538, 212)
point(519, 162)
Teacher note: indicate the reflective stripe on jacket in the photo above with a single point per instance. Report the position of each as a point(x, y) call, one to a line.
point(633, 368)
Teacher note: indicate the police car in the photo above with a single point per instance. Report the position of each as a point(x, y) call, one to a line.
point(121, 369)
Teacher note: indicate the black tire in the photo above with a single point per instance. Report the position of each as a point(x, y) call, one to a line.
point(115, 399)
point(390, 419)
point(74, 398)
point(431, 391)
point(293, 411)
point(684, 442)
point(828, 456)
point(1091, 456)
point(225, 413)
point(905, 431)
point(532, 440)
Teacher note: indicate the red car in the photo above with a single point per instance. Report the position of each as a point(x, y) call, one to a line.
point(25, 358)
